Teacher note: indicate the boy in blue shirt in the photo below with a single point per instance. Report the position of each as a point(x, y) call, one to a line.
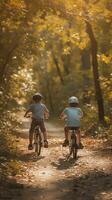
point(72, 116)
point(39, 112)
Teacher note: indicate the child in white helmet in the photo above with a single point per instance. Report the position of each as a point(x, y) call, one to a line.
point(72, 116)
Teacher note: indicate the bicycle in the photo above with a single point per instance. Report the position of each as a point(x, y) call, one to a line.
point(37, 140)
point(73, 144)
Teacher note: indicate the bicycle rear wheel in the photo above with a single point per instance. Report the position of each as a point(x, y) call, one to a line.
point(73, 147)
point(74, 153)
point(37, 142)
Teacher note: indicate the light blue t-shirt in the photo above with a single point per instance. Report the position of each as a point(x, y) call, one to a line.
point(38, 110)
point(73, 116)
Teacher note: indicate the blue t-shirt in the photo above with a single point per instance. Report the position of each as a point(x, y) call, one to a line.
point(38, 110)
point(73, 116)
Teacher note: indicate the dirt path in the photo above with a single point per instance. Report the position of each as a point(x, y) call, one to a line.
point(52, 177)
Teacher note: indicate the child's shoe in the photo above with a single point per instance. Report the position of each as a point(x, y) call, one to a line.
point(65, 143)
point(30, 147)
point(80, 146)
point(45, 144)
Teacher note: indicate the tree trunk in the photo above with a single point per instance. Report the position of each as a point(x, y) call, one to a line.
point(66, 63)
point(58, 68)
point(67, 58)
point(86, 65)
point(49, 95)
point(85, 57)
point(94, 49)
point(4, 66)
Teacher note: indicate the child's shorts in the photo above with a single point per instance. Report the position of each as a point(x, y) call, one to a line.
point(39, 123)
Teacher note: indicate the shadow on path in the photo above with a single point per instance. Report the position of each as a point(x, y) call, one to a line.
point(63, 163)
point(29, 157)
point(90, 186)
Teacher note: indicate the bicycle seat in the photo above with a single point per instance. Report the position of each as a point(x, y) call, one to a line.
point(73, 128)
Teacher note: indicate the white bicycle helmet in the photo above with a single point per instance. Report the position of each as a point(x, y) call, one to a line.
point(73, 99)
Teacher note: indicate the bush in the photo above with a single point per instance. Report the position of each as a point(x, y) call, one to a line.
point(8, 147)
point(109, 134)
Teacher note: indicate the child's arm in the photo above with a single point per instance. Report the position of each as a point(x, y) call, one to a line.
point(63, 115)
point(46, 113)
point(80, 113)
point(28, 111)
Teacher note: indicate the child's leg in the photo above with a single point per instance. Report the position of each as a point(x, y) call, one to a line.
point(45, 139)
point(66, 130)
point(43, 130)
point(31, 131)
point(66, 141)
point(80, 146)
point(78, 137)
point(45, 135)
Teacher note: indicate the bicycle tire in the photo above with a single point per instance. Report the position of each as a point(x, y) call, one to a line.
point(73, 147)
point(74, 153)
point(37, 142)
point(70, 151)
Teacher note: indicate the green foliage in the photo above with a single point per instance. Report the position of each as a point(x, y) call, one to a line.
point(7, 151)
point(41, 50)
point(109, 134)
point(8, 146)
point(90, 116)
point(107, 88)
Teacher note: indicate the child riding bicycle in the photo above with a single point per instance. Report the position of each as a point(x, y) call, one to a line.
point(39, 112)
point(72, 116)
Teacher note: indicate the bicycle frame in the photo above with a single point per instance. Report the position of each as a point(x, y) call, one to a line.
point(73, 144)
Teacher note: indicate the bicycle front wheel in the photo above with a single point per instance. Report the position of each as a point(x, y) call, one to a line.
point(37, 143)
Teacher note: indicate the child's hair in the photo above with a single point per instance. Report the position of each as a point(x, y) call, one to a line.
point(73, 104)
point(37, 97)
point(36, 100)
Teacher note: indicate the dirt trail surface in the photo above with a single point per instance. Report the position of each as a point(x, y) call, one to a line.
point(52, 177)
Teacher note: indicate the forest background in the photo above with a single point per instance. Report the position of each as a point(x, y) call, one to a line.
point(59, 48)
